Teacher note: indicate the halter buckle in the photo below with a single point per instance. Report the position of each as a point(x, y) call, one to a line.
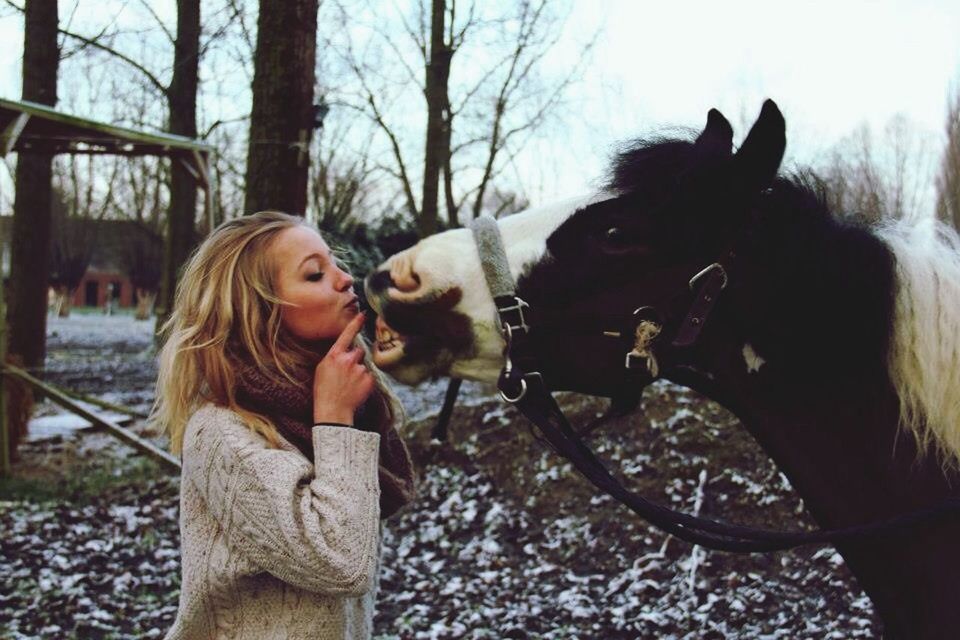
point(506, 328)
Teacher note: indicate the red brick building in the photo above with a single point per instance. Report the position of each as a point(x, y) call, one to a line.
point(95, 286)
point(106, 271)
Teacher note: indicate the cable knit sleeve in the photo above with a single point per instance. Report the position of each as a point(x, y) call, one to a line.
point(314, 526)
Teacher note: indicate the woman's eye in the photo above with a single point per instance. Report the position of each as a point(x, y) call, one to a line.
point(315, 277)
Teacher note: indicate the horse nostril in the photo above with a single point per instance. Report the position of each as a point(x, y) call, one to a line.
point(406, 282)
point(402, 275)
point(379, 281)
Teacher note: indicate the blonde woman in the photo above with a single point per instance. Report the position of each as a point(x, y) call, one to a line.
point(286, 433)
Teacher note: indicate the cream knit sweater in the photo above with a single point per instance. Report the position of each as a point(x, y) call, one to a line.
point(272, 545)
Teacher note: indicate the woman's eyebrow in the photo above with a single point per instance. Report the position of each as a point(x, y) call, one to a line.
point(310, 257)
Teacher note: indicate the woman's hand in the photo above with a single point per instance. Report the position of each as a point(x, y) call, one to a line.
point(341, 382)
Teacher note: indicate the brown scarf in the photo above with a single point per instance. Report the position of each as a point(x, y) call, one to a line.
point(290, 408)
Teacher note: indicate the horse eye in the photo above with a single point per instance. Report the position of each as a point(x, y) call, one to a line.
point(615, 236)
point(617, 241)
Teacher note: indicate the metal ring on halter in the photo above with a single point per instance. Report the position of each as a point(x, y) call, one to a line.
point(650, 313)
point(523, 392)
point(705, 271)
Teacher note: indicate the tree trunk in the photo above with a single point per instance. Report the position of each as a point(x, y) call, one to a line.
point(182, 101)
point(281, 121)
point(145, 300)
point(438, 108)
point(62, 305)
point(30, 236)
point(453, 209)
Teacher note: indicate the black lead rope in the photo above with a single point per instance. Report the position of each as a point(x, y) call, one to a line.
point(538, 405)
point(529, 393)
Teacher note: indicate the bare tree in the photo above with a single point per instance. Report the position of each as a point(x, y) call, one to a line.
point(336, 193)
point(77, 212)
point(436, 154)
point(483, 84)
point(948, 182)
point(141, 198)
point(180, 97)
point(141, 262)
point(523, 101)
point(870, 180)
point(342, 174)
point(141, 201)
point(503, 202)
point(182, 103)
point(30, 256)
point(854, 186)
point(282, 118)
point(156, 94)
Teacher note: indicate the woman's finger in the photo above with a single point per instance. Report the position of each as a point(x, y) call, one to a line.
point(356, 355)
point(349, 333)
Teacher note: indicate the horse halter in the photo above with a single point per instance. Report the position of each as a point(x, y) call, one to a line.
point(641, 333)
point(521, 384)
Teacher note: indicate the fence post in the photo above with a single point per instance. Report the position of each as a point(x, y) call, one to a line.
point(4, 424)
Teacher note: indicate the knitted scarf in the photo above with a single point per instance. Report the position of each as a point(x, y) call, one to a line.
point(290, 408)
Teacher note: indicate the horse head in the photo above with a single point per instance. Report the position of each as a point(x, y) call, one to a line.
point(669, 209)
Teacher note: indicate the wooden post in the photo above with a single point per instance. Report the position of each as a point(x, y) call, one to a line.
point(125, 435)
point(203, 177)
point(449, 400)
point(4, 425)
point(8, 139)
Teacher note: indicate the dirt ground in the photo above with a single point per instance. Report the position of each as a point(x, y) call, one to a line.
point(505, 540)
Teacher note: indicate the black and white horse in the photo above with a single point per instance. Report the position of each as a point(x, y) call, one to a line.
point(837, 346)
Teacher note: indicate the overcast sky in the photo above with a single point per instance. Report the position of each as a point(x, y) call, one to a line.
point(830, 65)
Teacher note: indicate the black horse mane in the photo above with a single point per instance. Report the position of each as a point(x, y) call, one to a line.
point(640, 158)
point(814, 293)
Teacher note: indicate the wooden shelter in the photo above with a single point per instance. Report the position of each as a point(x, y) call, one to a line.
point(30, 127)
point(27, 127)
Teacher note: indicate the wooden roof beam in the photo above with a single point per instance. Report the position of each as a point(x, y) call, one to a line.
point(12, 133)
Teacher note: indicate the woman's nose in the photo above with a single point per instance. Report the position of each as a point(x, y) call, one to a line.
point(346, 280)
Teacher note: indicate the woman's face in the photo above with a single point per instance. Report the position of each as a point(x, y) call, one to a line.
point(318, 295)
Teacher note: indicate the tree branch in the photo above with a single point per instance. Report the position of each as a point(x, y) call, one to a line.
point(238, 15)
point(398, 156)
point(377, 116)
point(212, 127)
point(163, 27)
point(396, 51)
point(419, 37)
point(152, 79)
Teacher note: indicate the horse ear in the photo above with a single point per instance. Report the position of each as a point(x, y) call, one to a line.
point(758, 158)
point(717, 136)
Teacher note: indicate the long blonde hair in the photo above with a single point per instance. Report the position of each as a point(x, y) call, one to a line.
point(226, 315)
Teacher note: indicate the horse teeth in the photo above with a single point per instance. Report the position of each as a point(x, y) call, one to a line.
point(386, 345)
point(387, 339)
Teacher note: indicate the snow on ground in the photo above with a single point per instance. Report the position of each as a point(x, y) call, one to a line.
point(104, 568)
point(504, 540)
